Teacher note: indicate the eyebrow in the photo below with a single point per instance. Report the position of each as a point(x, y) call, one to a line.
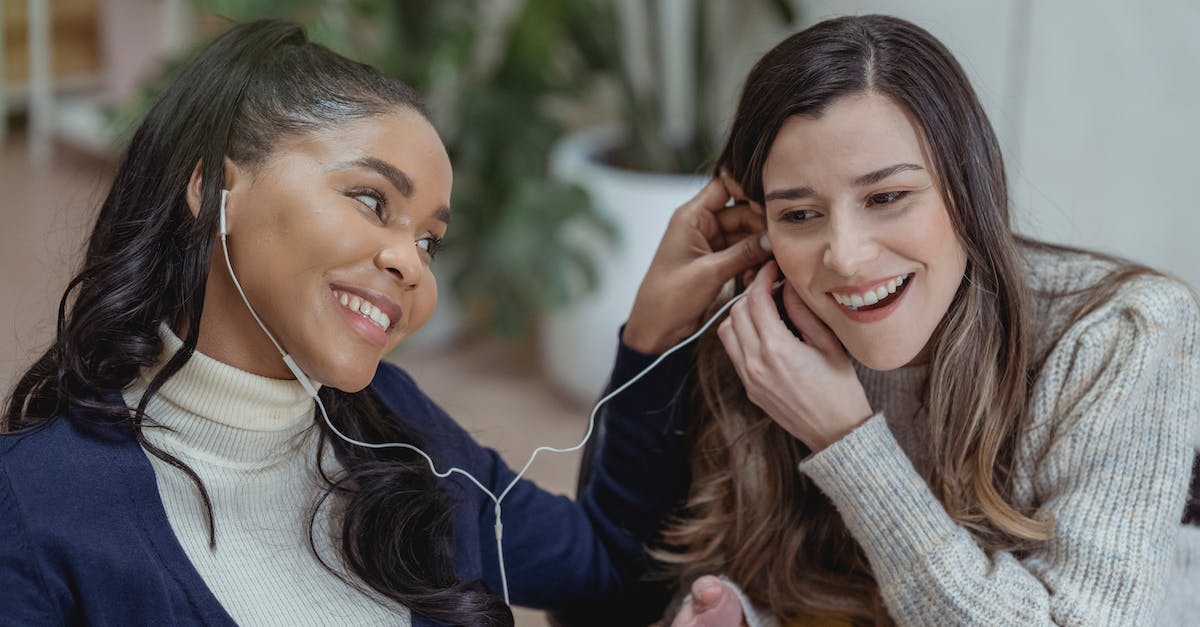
point(791, 193)
point(395, 176)
point(870, 178)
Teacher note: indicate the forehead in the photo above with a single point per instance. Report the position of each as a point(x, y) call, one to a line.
point(403, 138)
point(854, 135)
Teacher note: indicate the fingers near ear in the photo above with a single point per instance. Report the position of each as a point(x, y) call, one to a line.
point(731, 185)
point(740, 218)
point(735, 190)
point(729, 340)
point(742, 255)
point(712, 197)
point(763, 311)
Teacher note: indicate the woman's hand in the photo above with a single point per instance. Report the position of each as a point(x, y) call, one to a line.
point(809, 387)
point(707, 242)
point(712, 604)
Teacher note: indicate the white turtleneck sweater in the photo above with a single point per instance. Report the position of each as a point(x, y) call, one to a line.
point(251, 441)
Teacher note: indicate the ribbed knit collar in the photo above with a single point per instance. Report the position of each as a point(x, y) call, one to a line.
point(223, 414)
point(901, 385)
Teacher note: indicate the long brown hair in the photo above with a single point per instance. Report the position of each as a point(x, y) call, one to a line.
point(750, 514)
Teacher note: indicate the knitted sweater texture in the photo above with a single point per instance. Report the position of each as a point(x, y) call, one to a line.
point(1113, 429)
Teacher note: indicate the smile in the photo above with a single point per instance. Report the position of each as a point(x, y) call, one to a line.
point(363, 308)
point(875, 297)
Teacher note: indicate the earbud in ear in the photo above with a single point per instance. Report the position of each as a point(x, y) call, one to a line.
point(224, 195)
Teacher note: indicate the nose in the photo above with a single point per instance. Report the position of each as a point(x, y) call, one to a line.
point(401, 259)
point(851, 244)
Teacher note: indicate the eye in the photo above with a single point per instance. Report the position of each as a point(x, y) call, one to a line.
point(797, 216)
point(430, 244)
point(885, 198)
point(371, 199)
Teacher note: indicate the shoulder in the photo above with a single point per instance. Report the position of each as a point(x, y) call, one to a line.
point(64, 443)
point(69, 457)
point(398, 391)
point(1130, 356)
point(1144, 307)
point(1148, 309)
point(401, 395)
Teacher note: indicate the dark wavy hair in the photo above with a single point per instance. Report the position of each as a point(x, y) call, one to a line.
point(147, 261)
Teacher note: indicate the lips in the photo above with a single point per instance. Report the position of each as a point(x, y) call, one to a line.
point(369, 304)
point(364, 308)
point(872, 295)
point(894, 289)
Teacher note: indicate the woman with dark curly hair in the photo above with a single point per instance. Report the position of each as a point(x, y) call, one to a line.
point(272, 225)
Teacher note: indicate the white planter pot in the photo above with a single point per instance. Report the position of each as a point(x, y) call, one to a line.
point(578, 342)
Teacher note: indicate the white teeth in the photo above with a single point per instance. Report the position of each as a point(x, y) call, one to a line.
point(870, 297)
point(366, 309)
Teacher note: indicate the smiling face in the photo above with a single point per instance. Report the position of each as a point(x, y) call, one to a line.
point(331, 238)
point(860, 228)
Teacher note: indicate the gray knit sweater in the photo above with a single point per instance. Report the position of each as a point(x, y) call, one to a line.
point(1112, 471)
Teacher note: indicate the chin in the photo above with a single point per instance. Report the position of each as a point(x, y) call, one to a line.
point(882, 360)
point(345, 377)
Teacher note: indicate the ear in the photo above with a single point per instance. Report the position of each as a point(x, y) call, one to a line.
point(195, 187)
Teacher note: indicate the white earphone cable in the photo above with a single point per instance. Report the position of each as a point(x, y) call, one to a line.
point(497, 500)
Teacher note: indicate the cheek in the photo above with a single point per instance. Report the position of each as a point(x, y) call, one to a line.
point(934, 234)
point(798, 260)
point(425, 301)
point(420, 307)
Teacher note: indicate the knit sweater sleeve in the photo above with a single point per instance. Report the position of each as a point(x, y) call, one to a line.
point(1116, 397)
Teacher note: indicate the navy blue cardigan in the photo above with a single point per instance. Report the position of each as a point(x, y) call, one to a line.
point(84, 538)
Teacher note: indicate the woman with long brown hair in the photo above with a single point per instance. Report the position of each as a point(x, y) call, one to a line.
point(960, 425)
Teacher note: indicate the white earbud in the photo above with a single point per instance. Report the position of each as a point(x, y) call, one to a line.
point(224, 229)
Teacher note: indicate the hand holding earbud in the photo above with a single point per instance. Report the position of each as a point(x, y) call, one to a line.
point(808, 387)
point(707, 242)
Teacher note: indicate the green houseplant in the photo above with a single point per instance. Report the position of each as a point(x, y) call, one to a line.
point(676, 64)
